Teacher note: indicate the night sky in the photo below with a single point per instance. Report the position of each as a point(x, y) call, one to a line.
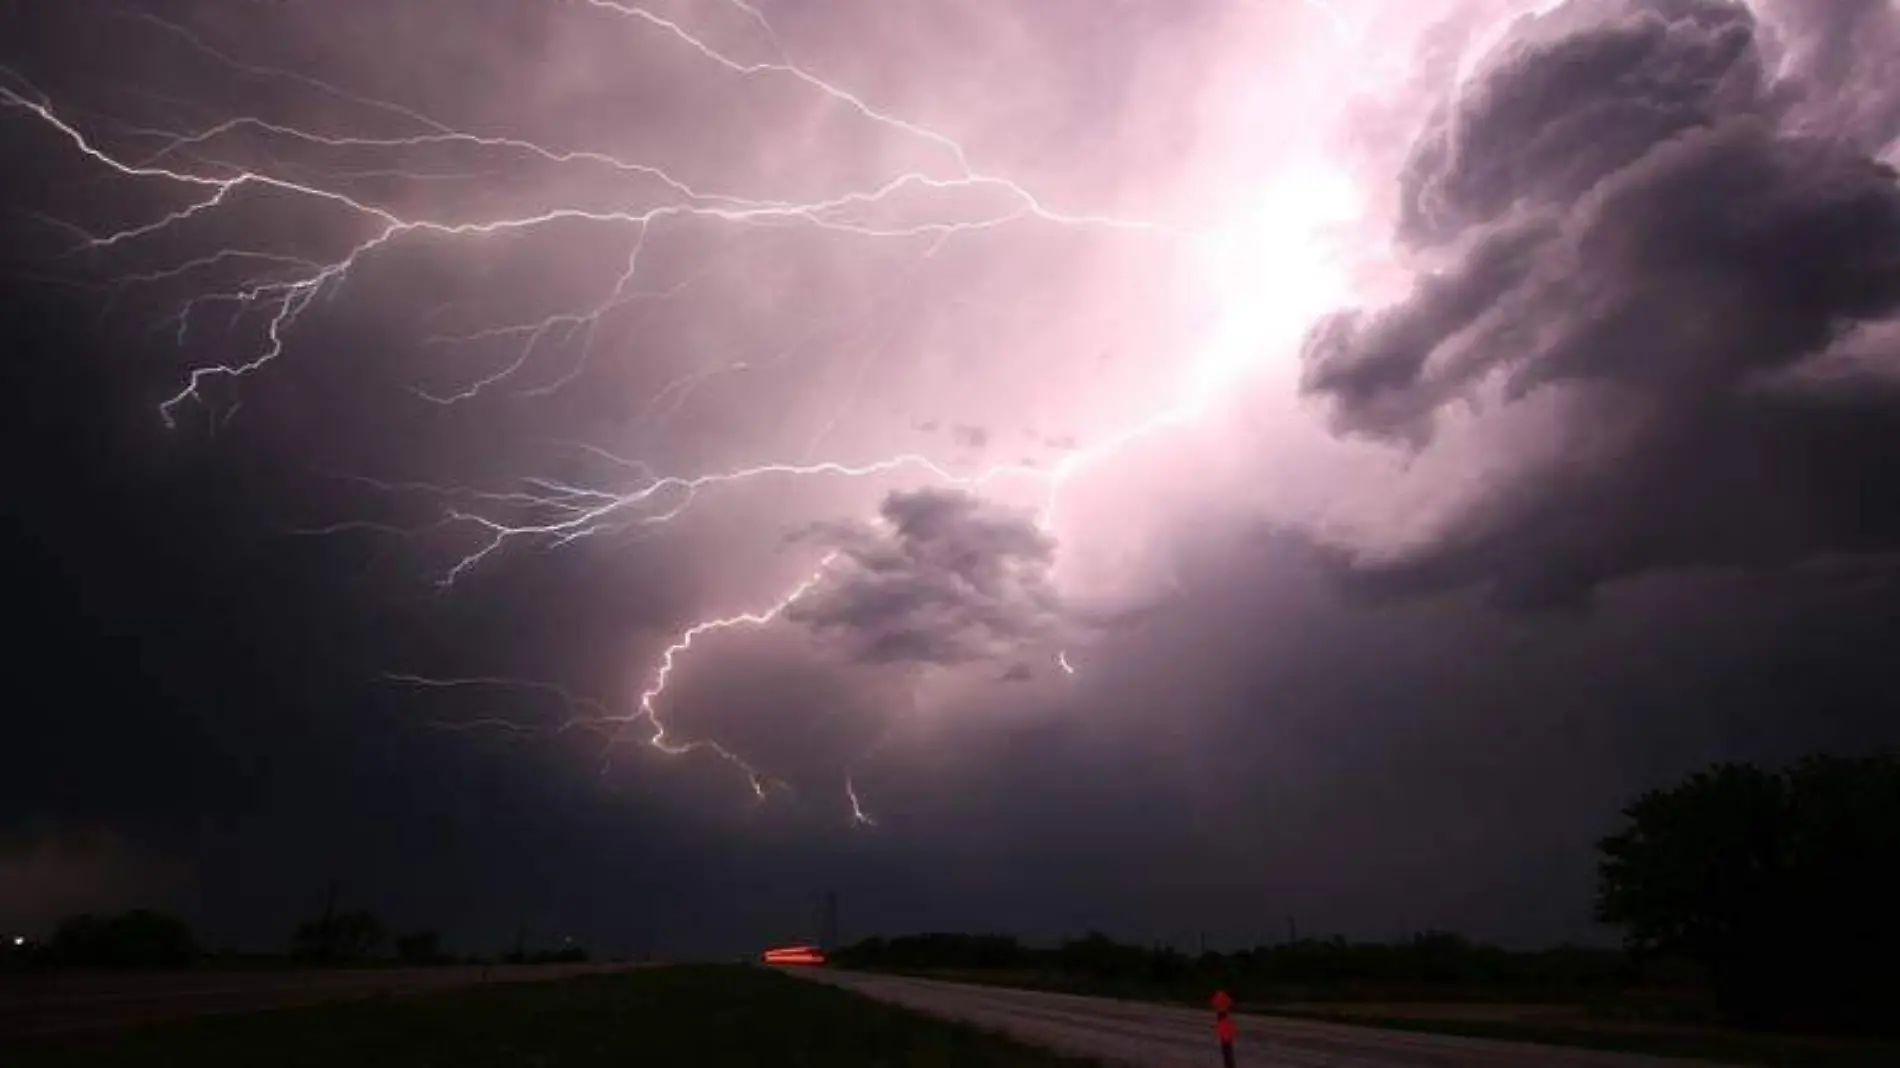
point(1161, 466)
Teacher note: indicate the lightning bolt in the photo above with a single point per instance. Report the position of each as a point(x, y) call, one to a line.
point(669, 659)
point(280, 288)
point(859, 817)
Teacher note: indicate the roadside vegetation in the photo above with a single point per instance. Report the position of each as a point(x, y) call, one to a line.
point(147, 940)
point(709, 1016)
point(1757, 908)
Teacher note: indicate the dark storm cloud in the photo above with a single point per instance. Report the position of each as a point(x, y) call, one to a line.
point(1248, 745)
point(1631, 217)
point(1374, 365)
point(945, 578)
point(1569, 102)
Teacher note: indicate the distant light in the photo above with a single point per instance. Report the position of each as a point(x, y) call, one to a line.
point(794, 955)
point(19, 940)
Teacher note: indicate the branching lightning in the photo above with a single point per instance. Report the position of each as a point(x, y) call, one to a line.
point(281, 288)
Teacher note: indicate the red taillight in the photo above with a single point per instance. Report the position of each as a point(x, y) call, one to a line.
point(794, 955)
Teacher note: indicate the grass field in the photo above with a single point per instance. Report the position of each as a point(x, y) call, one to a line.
point(695, 1015)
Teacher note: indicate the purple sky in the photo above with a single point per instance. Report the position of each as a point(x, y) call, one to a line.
point(1151, 465)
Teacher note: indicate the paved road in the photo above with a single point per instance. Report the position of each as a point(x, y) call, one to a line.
point(1161, 1036)
point(40, 1005)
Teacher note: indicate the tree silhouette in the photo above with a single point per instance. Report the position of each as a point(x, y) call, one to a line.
point(1428, 961)
point(1783, 885)
point(137, 939)
point(345, 936)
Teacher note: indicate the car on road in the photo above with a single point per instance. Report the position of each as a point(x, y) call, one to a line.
point(793, 955)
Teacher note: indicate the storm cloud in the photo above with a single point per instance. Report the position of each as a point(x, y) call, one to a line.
point(1616, 315)
point(1844, 60)
point(945, 578)
point(1624, 219)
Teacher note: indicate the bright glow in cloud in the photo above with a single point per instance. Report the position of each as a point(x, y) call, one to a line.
point(1272, 273)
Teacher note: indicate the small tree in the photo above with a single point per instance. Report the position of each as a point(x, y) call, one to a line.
point(1783, 886)
point(137, 939)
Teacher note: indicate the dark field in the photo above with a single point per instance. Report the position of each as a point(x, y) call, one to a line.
point(690, 1015)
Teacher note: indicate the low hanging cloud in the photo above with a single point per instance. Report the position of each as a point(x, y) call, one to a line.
point(943, 577)
point(1638, 210)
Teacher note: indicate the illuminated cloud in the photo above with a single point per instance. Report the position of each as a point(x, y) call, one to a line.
point(509, 340)
point(1843, 58)
point(1628, 224)
point(946, 578)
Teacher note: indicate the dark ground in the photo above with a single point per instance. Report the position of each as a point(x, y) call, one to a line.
point(70, 1001)
point(690, 1015)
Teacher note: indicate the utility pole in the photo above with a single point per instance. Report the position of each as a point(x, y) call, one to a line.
point(828, 922)
point(325, 937)
point(1292, 933)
